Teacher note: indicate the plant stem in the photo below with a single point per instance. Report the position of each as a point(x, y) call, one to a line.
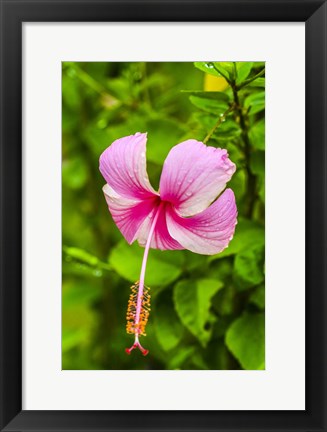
point(220, 120)
point(251, 179)
point(248, 81)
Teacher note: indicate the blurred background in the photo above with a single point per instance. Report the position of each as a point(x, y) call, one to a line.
point(207, 311)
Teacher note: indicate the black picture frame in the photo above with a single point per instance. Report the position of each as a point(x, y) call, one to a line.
point(13, 14)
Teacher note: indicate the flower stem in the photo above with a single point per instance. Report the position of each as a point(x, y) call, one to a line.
point(141, 284)
point(220, 120)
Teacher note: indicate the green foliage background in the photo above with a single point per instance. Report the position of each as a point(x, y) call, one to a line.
point(207, 311)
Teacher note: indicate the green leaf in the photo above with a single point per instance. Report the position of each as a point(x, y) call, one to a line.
point(77, 319)
point(261, 189)
point(259, 82)
point(238, 183)
point(80, 269)
point(82, 292)
point(259, 65)
point(219, 357)
point(243, 71)
point(247, 234)
point(226, 69)
point(168, 327)
point(72, 338)
point(74, 172)
point(257, 135)
point(70, 93)
point(214, 105)
point(163, 267)
point(228, 130)
point(245, 338)
point(224, 301)
point(152, 81)
point(255, 102)
point(99, 139)
point(219, 69)
point(183, 354)
point(249, 267)
point(120, 88)
point(163, 134)
point(198, 361)
point(236, 156)
point(258, 297)
point(257, 163)
point(79, 262)
point(215, 95)
point(81, 255)
point(203, 121)
point(194, 261)
point(192, 300)
point(207, 67)
point(220, 270)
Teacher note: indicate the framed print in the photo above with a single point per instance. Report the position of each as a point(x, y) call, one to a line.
point(163, 215)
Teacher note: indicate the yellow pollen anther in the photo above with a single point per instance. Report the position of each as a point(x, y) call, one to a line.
point(133, 327)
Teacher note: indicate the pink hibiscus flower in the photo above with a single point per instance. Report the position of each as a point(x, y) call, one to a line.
point(184, 214)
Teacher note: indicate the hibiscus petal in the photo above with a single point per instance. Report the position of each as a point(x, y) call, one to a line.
point(161, 238)
point(129, 214)
point(123, 165)
point(194, 175)
point(209, 232)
